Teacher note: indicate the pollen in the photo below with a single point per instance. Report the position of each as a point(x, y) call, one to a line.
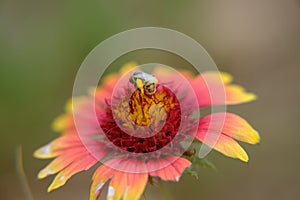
point(143, 107)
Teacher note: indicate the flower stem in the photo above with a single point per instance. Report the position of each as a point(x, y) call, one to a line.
point(21, 175)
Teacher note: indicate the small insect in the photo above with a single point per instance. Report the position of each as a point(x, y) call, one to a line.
point(143, 81)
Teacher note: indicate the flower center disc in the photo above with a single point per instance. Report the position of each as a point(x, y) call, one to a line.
point(142, 123)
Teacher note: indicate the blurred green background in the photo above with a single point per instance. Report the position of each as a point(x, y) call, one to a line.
point(44, 42)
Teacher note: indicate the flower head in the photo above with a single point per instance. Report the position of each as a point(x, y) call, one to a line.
point(137, 125)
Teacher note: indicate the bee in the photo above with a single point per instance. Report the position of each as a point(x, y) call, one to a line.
point(143, 81)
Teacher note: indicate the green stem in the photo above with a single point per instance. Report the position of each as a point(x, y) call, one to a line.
point(21, 174)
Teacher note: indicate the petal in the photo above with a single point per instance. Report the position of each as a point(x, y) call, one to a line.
point(61, 162)
point(219, 130)
point(84, 163)
point(225, 145)
point(45, 152)
point(100, 177)
point(63, 122)
point(57, 146)
point(128, 67)
point(232, 125)
point(117, 186)
point(172, 169)
point(106, 89)
point(84, 109)
point(128, 165)
point(66, 121)
point(72, 157)
point(214, 88)
point(108, 84)
point(165, 75)
point(136, 183)
point(75, 101)
point(130, 186)
point(211, 75)
point(132, 177)
point(236, 94)
point(177, 82)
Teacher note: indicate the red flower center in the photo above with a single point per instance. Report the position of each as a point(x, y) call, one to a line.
point(142, 123)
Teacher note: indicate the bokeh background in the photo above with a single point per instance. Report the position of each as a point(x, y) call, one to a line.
point(42, 44)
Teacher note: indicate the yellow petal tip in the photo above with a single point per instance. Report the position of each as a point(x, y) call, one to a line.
point(44, 152)
point(129, 66)
point(59, 123)
point(244, 158)
point(250, 97)
point(256, 138)
point(226, 77)
point(58, 181)
point(236, 94)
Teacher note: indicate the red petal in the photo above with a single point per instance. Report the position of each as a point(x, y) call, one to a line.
point(172, 169)
point(130, 186)
point(214, 88)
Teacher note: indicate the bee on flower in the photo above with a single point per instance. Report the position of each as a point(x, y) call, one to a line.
point(144, 81)
point(145, 129)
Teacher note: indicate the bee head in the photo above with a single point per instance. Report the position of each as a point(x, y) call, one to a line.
point(144, 81)
point(150, 87)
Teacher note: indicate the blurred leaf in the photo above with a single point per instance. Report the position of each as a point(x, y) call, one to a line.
point(197, 165)
point(202, 162)
point(192, 173)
